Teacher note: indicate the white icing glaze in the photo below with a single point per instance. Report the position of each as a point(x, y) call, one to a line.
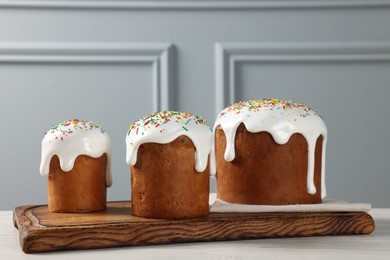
point(164, 127)
point(279, 118)
point(72, 138)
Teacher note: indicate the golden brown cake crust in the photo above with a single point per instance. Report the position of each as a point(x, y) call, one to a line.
point(83, 189)
point(264, 172)
point(165, 183)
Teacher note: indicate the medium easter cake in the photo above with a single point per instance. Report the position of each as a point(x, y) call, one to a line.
point(168, 153)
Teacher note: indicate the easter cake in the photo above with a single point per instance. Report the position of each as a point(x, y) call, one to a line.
point(168, 153)
point(270, 152)
point(76, 159)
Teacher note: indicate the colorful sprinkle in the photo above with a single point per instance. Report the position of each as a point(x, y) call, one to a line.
point(158, 119)
point(62, 130)
point(267, 104)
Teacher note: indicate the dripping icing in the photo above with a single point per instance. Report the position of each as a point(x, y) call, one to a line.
point(279, 118)
point(164, 127)
point(72, 138)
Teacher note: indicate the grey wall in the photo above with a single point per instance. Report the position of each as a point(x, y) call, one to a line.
point(113, 62)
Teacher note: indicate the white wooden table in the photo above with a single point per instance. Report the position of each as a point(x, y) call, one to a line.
point(374, 246)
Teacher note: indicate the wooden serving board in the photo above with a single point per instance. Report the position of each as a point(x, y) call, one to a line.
point(42, 231)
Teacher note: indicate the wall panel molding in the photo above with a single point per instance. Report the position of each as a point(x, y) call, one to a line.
point(229, 55)
point(158, 55)
point(193, 4)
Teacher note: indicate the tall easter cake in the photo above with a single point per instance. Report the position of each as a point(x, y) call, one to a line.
point(76, 158)
point(168, 152)
point(270, 152)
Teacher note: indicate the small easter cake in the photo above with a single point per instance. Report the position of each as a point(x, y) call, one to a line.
point(76, 158)
point(168, 153)
point(270, 152)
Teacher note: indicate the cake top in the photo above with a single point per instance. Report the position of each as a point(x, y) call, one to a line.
point(72, 138)
point(159, 121)
point(63, 130)
point(164, 127)
point(271, 104)
point(280, 118)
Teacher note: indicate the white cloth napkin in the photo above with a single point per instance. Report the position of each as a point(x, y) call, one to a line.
point(327, 205)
